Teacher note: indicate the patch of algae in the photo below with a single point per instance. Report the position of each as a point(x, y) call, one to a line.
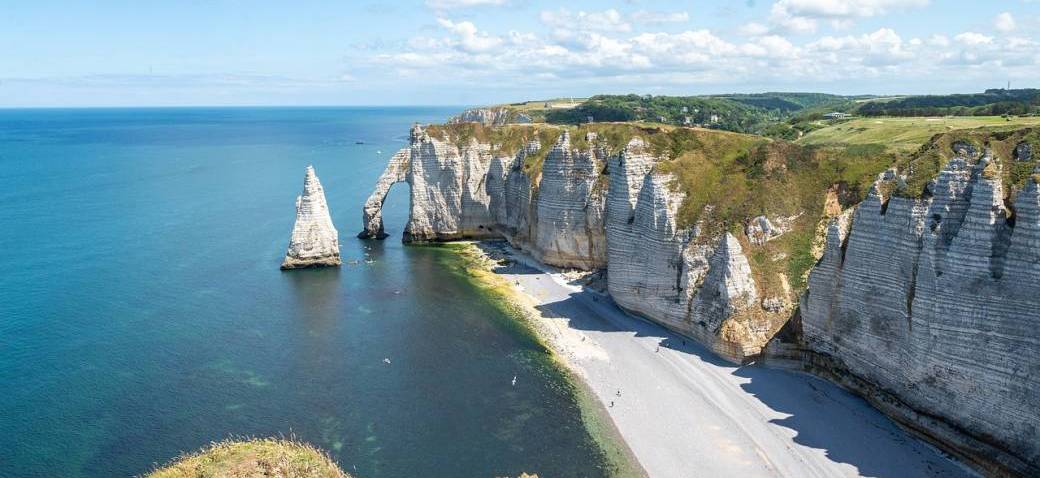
point(471, 263)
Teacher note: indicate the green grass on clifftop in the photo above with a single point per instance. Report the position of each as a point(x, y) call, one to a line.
point(904, 135)
point(924, 164)
point(740, 176)
point(253, 458)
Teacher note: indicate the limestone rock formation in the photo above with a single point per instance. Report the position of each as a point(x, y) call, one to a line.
point(491, 117)
point(571, 213)
point(314, 240)
point(929, 307)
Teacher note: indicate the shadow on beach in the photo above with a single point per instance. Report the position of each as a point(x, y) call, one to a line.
point(822, 415)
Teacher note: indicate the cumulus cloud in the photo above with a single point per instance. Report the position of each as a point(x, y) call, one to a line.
point(652, 17)
point(802, 16)
point(468, 37)
point(972, 38)
point(599, 46)
point(753, 29)
point(606, 21)
point(1004, 22)
point(844, 8)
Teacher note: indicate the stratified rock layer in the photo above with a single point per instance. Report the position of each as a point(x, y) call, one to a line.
point(930, 307)
point(927, 307)
point(314, 241)
point(491, 117)
point(572, 214)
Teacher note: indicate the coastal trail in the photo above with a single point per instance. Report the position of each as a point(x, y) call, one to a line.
point(686, 413)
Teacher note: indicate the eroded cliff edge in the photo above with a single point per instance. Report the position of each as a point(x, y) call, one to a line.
point(927, 302)
point(923, 298)
point(589, 198)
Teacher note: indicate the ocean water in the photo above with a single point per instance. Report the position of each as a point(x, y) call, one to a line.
point(142, 312)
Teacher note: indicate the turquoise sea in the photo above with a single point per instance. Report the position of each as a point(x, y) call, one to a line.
point(143, 314)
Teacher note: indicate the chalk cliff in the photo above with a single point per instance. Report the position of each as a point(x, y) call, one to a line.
point(491, 117)
point(579, 203)
point(924, 298)
point(314, 240)
point(929, 306)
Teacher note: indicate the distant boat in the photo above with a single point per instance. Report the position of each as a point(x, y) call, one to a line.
point(379, 151)
point(359, 142)
point(514, 380)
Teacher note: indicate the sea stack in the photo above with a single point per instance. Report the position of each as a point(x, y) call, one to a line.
point(314, 241)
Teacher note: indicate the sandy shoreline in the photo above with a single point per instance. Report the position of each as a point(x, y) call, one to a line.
point(683, 412)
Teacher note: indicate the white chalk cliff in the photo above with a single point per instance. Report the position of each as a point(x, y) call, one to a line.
point(314, 241)
point(930, 309)
point(574, 214)
point(927, 307)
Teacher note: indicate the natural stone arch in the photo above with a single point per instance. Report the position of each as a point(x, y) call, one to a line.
point(372, 216)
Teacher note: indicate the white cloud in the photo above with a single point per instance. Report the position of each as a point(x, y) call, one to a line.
point(939, 40)
point(783, 20)
point(801, 16)
point(972, 38)
point(469, 38)
point(451, 4)
point(753, 29)
point(1004, 22)
point(652, 17)
point(844, 8)
point(600, 48)
point(605, 21)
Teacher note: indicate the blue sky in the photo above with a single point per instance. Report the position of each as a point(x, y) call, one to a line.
point(253, 52)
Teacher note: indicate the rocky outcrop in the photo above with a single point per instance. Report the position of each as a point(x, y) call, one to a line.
point(926, 306)
point(929, 308)
point(584, 208)
point(490, 117)
point(700, 286)
point(314, 240)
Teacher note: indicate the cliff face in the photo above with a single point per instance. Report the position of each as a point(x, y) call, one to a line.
point(586, 208)
point(314, 241)
point(930, 306)
point(700, 286)
point(926, 304)
point(491, 117)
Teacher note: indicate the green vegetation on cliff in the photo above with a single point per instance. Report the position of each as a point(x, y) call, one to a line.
point(253, 458)
point(730, 178)
point(745, 113)
point(739, 176)
point(1015, 168)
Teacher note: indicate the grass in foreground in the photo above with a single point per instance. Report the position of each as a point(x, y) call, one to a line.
point(266, 457)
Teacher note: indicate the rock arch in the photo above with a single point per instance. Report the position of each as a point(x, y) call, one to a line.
point(372, 216)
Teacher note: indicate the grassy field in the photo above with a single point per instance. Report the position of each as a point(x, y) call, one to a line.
point(903, 135)
point(529, 106)
point(255, 457)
